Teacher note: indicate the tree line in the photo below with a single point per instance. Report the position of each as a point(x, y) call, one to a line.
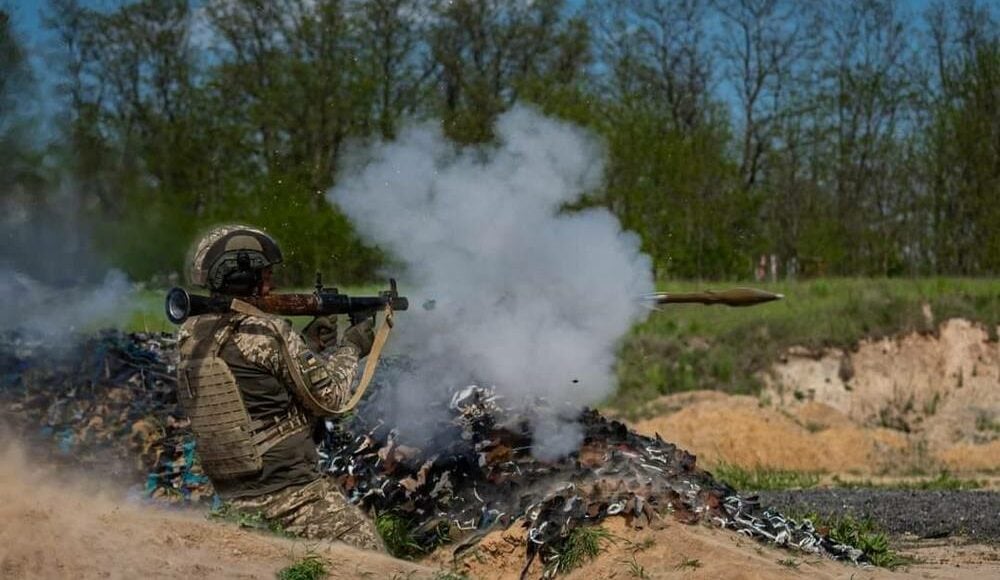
point(843, 137)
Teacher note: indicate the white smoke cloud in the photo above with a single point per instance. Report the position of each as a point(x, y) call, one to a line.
point(51, 311)
point(52, 282)
point(527, 298)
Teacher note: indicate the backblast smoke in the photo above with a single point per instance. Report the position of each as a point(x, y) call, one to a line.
point(518, 292)
point(52, 282)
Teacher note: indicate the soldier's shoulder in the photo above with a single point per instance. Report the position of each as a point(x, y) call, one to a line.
point(264, 324)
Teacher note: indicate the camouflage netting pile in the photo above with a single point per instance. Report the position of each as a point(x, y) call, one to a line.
point(111, 397)
point(104, 403)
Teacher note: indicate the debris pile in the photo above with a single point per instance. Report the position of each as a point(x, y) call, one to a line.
point(105, 403)
point(483, 477)
point(109, 403)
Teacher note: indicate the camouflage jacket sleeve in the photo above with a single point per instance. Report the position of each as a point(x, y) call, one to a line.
point(320, 381)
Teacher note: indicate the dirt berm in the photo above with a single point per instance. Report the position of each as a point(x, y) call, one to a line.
point(910, 405)
point(52, 528)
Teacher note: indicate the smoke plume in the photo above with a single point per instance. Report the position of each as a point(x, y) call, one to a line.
point(516, 293)
point(52, 281)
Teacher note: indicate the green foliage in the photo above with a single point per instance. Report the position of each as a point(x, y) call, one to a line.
point(764, 479)
point(692, 563)
point(687, 347)
point(635, 569)
point(404, 540)
point(944, 481)
point(583, 544)
point(864, 534)
point(311, 567)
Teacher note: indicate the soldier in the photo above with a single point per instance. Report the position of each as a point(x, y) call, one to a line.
point(255, 389)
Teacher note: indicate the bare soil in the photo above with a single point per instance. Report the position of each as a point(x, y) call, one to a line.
point(911, 405)
point(54, 528)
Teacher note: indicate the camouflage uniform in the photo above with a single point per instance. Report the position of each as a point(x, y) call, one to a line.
point(289, 490)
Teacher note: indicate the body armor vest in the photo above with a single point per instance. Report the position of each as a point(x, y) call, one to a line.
point(230, 444)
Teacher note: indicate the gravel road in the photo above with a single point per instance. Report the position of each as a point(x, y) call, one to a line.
point(926, 514)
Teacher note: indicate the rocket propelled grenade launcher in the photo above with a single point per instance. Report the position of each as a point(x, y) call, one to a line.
point(323, 302)
point(732, 297)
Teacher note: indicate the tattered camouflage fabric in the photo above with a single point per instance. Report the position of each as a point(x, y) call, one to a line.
point(317, 511)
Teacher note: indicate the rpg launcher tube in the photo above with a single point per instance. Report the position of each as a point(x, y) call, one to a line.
point(732, 297)
point(180, 305)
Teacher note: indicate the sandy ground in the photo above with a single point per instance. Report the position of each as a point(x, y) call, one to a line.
point(54, 528)
point(905, 406)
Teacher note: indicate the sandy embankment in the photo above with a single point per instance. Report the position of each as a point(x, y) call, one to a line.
point(54, 528)
point(898, 406)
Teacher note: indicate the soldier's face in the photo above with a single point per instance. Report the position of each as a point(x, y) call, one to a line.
point(266, 282)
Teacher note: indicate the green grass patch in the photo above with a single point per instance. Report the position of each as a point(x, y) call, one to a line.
point(583, 544)
point(311, 567)
point(687, 347)
point(404, 539)
point(943, 482)
point(861, 533)
point(764, 478)
point(398, 533)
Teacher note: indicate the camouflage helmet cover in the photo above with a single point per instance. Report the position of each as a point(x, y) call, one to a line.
point(220, 251)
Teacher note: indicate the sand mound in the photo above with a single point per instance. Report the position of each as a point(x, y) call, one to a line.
point(61, 529)
point(912, 404)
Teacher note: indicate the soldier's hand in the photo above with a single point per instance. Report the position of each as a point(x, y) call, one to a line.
point(361, 335)
point(321, 333)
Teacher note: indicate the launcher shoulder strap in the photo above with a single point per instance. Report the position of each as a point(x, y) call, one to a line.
point(300, 378)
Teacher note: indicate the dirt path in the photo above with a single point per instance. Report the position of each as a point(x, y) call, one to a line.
point(78, 529)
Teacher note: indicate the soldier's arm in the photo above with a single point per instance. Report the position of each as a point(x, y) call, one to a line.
point(320, 381)
point(328, 375)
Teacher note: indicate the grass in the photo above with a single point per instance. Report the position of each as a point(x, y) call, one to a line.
point(692, 563)
point(764, 478)
point(635, 569)
point(404, 540)
point(687, 347)
point(583, 544)
point(943, 482)
point(861, 533)
point(398, 533)
point(311, 567)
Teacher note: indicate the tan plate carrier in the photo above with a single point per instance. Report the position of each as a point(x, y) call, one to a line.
point(230, 444)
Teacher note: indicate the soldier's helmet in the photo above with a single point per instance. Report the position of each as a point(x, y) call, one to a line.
point(230, 259)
